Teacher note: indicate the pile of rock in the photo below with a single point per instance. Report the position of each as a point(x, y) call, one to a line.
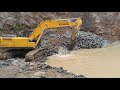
point(89, 40)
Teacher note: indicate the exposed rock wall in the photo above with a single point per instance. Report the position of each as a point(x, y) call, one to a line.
point(105, 24)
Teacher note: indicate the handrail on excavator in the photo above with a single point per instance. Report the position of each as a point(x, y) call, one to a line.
point(66, 18)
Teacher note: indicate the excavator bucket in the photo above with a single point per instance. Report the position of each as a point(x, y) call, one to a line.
point(79, 23)
point(74, 32)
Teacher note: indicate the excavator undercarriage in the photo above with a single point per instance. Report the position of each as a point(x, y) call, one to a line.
point(11, 53)
point(28, 54)
point(27, 45)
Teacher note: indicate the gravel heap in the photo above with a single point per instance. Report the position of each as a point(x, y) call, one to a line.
point(89, 40)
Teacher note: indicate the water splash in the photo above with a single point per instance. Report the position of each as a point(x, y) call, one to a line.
point(93, 63)
point(63, 51)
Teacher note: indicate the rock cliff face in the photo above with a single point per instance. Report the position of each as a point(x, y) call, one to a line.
point(105, 24)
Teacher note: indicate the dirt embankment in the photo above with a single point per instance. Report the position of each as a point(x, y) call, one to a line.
point(105, 24)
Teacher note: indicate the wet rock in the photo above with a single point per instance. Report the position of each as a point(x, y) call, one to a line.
point(43, 66)
point(39, 74)
point(51, 51)
point(89, 40)
point(32, 63)
point(14, 69)
point(15, 62)
point(6, 62)
point(60, 70)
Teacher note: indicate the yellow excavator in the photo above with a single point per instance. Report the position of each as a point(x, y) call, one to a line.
point(12, 45)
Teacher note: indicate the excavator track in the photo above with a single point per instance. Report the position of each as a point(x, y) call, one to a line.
point(9, 53)
point(5, 54)
point(35, 55)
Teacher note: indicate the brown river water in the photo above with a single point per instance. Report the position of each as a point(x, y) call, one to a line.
point(92, 63)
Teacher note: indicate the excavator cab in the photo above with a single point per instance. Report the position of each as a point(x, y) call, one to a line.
point(25, 33)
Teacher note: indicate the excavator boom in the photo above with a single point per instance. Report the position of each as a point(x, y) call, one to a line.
point(27, 42)
point(72, 22)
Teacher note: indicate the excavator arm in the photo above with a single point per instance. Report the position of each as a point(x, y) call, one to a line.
point(71, 22)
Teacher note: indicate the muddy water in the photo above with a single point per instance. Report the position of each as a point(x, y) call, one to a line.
point(93, 63)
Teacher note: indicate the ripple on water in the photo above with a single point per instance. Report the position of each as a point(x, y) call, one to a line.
point(100, 62)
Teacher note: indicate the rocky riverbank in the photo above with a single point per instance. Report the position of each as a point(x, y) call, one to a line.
point(99, 29)
point(18, 68)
